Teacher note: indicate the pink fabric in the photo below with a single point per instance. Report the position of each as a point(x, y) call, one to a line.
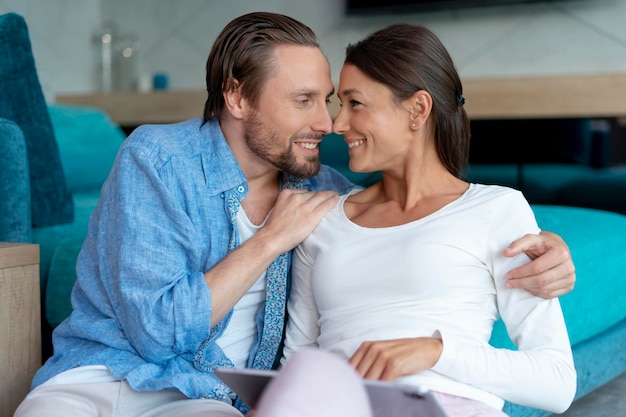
point(464, 407)
point(315, 383)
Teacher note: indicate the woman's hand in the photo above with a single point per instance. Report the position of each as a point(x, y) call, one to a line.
point(389, 359)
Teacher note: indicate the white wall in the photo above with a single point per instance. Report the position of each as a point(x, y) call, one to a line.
point(60, 37)
point(555, 37)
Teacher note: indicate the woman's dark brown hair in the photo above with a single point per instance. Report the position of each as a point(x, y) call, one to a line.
point(243, 55)
point(408, 58)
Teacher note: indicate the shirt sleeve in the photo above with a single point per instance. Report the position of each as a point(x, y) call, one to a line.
point(541, 372)
point(148, 254)
point(302, 328)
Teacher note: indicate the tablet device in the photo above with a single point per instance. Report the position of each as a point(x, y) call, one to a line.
point(387, 399)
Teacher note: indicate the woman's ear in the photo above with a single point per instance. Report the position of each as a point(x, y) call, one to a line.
point(233, 100)
point(420, 105)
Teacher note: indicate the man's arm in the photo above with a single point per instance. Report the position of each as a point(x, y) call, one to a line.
point(293, 218)
point(551, 273)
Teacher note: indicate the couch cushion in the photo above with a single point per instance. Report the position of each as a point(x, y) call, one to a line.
point(602, 188)
point(22, 101)
point(597, 240)
point(88, 143)
point(14, 184)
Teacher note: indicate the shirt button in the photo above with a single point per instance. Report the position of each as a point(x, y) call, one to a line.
point(241, 189)
point(222, 195)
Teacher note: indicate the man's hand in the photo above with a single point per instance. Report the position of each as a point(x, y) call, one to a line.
point(295, 215)
point(550, 274)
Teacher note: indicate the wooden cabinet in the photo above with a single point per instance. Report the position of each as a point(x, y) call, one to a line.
point(20, 322)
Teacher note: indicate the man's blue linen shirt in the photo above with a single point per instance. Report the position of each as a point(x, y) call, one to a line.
point(141, 305)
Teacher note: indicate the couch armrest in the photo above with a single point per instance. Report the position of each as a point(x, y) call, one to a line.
point(15, 220)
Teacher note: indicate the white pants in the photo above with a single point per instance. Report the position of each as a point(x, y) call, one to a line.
point(116, 399)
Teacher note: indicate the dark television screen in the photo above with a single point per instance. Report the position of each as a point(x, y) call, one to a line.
point(372, 6)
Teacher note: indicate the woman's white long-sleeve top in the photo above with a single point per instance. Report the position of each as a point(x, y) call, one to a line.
point(440, 275)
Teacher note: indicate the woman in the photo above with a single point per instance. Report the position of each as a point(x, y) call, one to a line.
point(406, 278)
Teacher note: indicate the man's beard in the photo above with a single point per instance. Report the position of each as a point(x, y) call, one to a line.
point(265, 143)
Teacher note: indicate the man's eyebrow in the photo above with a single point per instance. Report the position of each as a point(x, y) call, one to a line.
point(312, 92)
point(306, 92)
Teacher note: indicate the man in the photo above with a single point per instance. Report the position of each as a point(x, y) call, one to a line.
point(185, 267)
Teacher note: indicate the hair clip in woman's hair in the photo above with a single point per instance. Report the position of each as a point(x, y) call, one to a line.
point(460, 101)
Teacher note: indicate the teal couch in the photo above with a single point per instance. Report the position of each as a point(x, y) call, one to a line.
point(53, 161)
point(595, 312)
point(571, 161)
point(566, 184)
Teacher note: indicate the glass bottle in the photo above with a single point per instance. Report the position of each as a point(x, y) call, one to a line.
point(104, 40)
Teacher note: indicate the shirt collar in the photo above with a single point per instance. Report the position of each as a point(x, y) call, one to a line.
point(221, 170)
